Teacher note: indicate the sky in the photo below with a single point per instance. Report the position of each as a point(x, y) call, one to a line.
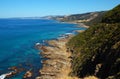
point(38, 8)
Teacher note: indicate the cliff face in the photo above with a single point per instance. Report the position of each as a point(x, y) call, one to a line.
point(97, 50)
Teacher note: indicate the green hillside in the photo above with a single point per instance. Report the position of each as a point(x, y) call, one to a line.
point(112, 16)
point(97, 50)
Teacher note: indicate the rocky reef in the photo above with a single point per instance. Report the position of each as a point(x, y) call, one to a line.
point(57, 62)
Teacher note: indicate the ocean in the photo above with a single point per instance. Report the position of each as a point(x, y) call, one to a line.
point(18, 38)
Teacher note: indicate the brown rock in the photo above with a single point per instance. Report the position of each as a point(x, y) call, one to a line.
point(28, 74)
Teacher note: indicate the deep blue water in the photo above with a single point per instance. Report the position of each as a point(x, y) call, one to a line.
point(18, 38)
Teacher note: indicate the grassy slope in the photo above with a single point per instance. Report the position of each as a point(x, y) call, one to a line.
point(97, 50)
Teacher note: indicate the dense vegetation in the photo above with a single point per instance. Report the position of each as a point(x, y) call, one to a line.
point(112, 16)
point(97, 50)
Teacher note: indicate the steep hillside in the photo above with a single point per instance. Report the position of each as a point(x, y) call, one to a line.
point(112, 16)
point(96, 19)
point(87, 18)
point(84, 18)
point(97, 50)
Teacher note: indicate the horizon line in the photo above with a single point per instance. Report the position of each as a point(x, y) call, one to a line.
point(46, 15)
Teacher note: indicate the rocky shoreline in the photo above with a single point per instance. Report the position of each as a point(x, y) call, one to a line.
point(57, 64)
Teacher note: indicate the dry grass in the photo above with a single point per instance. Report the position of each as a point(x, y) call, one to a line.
point(69, 78)
point(91, 77)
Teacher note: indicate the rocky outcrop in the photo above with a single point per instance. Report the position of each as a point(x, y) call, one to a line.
point(57, 63)
point(28, 75)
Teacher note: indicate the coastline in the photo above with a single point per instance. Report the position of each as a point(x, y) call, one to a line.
point(83, 25)
point(79, 24)
point(58, 62)
point(57, 59)
point(30, 74)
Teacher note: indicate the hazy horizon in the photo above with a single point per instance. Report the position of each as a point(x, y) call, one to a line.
point(42, 17)
point(40, 8)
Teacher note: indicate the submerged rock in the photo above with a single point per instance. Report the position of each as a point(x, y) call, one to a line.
point(28, 75)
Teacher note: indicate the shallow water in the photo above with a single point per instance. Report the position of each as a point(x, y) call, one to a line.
point(19, 36)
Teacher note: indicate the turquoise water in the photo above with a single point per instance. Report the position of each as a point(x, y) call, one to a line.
point(19, 36)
